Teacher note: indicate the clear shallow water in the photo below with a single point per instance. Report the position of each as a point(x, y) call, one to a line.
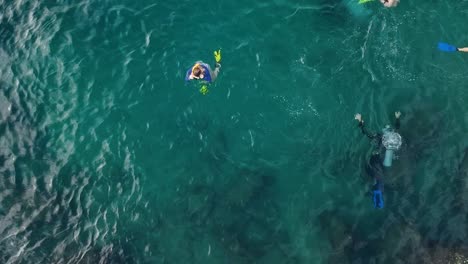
point(108, 157)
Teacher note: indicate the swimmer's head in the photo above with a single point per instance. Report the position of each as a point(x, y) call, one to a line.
point(197, 71)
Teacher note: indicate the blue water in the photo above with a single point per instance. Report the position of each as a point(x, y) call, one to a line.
point(108, 156)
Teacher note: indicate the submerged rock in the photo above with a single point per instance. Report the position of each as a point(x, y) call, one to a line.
point(339, 234)
point(449, 256)
point(243, 186)
point(463, 178)
point(405, 244)
point(247, 220)
point(200, 204)
point(422, 138)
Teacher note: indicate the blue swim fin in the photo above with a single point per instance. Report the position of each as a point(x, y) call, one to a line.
point(377, 194)
point(378, 199)
point(446, 47)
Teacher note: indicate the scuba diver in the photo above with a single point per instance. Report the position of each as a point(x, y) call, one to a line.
point(388, 138)
point(391, 141)
point(202, 71)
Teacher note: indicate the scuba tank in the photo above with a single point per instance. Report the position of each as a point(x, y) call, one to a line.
point(391, 140)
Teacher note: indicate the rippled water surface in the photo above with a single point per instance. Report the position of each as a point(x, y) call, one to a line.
point(107, 156)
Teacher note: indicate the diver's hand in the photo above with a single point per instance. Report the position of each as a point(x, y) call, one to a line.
point(397, 114)
point(358, 117)
point(217, 56)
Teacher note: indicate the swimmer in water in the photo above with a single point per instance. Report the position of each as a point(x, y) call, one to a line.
point(390, 3)
point(463, 49)
point(389, 138)
point(202, 71)
point(372, 135)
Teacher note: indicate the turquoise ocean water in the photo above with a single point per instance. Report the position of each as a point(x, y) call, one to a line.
point(107, 156)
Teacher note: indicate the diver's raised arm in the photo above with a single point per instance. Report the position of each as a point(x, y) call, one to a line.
point(397, 120)
point(364, 130)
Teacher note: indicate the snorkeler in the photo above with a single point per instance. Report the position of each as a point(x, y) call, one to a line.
point(202, 71)
point(390, 3)
point(463, 49)
point(389, 138)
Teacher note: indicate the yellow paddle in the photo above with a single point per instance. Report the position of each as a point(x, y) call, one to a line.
point(217, 55)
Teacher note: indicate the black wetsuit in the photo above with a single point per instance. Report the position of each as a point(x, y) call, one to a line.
point(375, 168)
